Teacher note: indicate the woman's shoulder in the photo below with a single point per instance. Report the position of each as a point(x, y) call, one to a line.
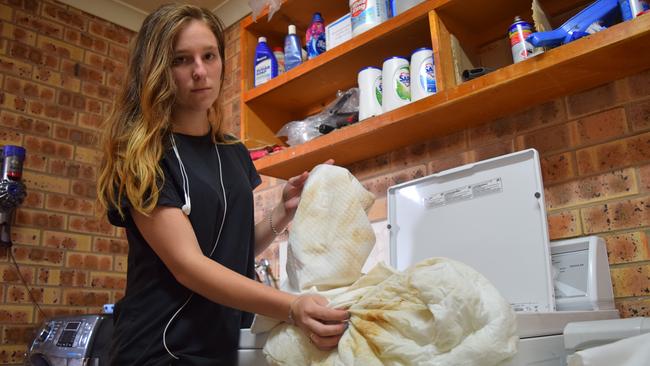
point(230, 138)
point(237, 148)
point(234, 143)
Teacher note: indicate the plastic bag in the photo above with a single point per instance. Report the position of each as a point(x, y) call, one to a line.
point(343, 111)
point(298, 132)
point(257, 6)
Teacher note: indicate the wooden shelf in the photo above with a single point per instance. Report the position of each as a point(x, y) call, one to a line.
point(293, 12)
point(597, 59)
point(481, 33)
point(464, 19)
point(310, 86)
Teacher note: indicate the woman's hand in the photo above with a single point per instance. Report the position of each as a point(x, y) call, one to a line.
point(323, 325)
point(293, 190)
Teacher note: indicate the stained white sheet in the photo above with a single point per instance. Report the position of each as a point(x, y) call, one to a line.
point(438, 312)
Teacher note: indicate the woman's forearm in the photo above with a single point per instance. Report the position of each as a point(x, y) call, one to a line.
point(270, 227)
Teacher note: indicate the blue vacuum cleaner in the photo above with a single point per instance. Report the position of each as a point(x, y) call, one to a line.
point(599, 14)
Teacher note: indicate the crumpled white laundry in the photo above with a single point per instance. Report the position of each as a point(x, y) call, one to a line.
point(633, 351)
point(438, 312)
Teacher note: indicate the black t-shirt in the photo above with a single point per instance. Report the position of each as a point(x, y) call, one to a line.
point(203, 332)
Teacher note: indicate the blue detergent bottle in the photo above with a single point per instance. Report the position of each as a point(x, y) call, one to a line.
point(292, 49)
point(266, 66)
point(315, 36)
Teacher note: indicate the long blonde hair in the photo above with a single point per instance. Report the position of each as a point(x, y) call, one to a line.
point(137, 132)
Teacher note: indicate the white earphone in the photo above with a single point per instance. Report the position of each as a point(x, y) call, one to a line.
point(187, 208)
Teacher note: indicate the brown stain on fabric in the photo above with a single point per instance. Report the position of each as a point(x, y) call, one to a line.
point(368, 330)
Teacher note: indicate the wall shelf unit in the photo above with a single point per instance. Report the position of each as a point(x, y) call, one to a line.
point(594, 60)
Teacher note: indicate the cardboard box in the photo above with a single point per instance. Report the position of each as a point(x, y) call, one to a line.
point(339, 31)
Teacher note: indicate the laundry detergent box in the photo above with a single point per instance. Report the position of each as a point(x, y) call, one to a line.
point(339, 31)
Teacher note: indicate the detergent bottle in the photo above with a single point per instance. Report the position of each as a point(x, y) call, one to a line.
point(292, 49)
point(266, 66)
point(315, 37)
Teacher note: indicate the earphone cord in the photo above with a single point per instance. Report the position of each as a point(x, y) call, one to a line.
point(186, 186)
point(186, 181)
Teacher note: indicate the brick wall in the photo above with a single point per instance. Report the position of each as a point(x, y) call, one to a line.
point(269, 192)
point(59, 70)
point(231, 82)
point(595, 156)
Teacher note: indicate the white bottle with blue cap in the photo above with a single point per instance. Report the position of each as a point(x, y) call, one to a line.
point(370, 92)
point(396, 83)
point(423, 74)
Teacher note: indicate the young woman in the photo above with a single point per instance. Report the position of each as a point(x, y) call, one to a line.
point(183, 191)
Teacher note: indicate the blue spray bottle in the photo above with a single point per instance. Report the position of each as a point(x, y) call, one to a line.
point(266, 66)
point(292, 49)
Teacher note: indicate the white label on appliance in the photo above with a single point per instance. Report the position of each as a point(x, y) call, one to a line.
point(488, 187)
point(464, 193)
point(528, 307)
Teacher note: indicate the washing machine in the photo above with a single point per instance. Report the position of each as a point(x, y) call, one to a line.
point(72, 340)
point(585, 316)
point(491, 215)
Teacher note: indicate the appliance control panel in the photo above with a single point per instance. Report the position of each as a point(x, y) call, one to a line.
point(581, 274)
point(69, 336)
